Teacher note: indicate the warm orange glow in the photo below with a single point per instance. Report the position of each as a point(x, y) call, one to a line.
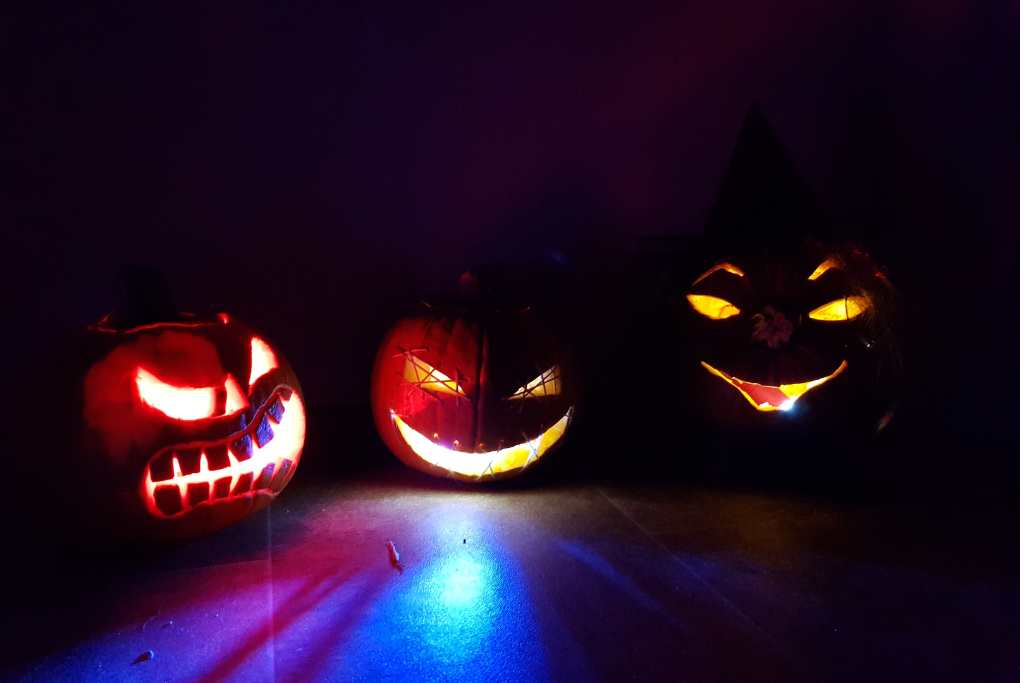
point(235, 400)
point(426, 377)
point(727, 267)
point(266, 471)
point(825, 266)
point(549, 383)
point(263, 360)
point(486, 463)
point(846, 308)
point(712, 307)
point(767, 398)
point(181, 403)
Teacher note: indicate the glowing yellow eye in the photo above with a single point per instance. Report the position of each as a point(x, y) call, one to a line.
point(427, 377)
point(712, 306)
point(549, 383)
point(847, 308)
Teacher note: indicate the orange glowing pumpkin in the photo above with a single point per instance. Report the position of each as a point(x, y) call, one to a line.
point(472, 393)
point(188, 424)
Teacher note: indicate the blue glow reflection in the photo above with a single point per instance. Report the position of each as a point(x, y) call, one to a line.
point(463, 580)
point(460, 611)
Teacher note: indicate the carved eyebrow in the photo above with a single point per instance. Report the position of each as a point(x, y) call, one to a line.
point(825, 266)
point(726, 266)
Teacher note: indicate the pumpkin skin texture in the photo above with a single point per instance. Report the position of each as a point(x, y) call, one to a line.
point(469, 395)
point(185, 426)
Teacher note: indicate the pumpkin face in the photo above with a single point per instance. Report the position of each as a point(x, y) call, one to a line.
point(471, 397)
point(781, 336)
point(190, 424)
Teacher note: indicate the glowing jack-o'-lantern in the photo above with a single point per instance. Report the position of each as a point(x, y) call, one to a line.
point(189, 423)
point(769, 335)
point(472, 395)
point(789, 326)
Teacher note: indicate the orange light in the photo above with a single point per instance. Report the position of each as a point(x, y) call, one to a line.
point(825, 266)
point(235, 400)
point(767, 398)
point(549, 383)
point(839, 310)
point(727, 267)
point(425, 376)
point(712, 307)
point(181, 403)
point(263, 360)
point(266, 472)
point(487, 463)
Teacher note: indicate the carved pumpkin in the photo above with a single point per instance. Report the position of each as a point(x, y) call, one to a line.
point(775, 338)
point(788, 324)
point(471, 393)
point(188, 423)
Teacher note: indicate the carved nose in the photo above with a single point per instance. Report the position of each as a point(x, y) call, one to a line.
point(771, 328)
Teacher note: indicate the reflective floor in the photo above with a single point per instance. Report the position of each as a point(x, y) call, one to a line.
point(561, 582)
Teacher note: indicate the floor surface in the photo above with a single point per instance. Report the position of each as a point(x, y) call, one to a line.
point(562, 582)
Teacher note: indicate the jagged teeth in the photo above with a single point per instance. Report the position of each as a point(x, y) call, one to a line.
point(175, 490)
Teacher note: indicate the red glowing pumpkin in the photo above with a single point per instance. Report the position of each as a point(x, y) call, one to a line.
point(472, 394)
point(188, 424)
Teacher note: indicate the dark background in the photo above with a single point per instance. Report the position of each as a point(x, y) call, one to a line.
point(316, 168)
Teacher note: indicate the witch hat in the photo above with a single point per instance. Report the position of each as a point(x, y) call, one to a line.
point(762, 203)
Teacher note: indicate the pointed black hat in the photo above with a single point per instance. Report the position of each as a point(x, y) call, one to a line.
point(762, 203)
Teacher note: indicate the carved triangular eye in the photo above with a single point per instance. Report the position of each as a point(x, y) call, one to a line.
point(839, 310)
point(712, 306)
point(426, 377)
point(823, 267)
point(548, 383)
point(263, 359)
point(189, 403)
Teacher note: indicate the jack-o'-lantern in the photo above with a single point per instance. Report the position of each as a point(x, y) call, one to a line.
point(472, 392)
point(187, 423)
point(788, 328)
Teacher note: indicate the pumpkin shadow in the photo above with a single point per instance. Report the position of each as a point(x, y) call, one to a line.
point(316, 593)
point(65, 576)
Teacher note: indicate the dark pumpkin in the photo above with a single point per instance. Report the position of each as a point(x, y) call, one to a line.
point(788, 323)
point(186, 425)
point(471, 393)
point(805, 336)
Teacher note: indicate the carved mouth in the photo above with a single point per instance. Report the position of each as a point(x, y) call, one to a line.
point(767, 398)
point(481, 464)
point(259, 459)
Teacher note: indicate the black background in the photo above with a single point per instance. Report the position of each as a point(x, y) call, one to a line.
point(316, 168)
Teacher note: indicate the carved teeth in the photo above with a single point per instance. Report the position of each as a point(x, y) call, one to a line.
point(180, 480)
point(264, 432)
point(276, 410)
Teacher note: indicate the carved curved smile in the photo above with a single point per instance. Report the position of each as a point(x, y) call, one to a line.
point(479, 464)
point(767, 398)
point(258, 459)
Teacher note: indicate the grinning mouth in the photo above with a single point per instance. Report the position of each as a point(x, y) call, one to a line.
point(258, 459)
point(480, 464)
point(768, 398)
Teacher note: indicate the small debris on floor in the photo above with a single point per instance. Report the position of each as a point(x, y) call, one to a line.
point(144, 657)
point(393, 556)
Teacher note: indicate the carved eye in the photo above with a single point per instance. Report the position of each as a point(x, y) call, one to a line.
point(428, 378)
point(712, 307)
point(263, 360)
point(839, 310)
point(823, 267)
point(548, 383)
point(189, 403)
